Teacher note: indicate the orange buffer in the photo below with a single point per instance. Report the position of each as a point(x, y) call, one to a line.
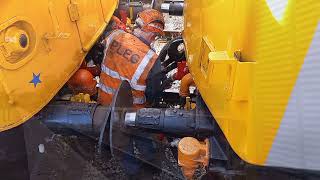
point(191, 154)
point(83, 82)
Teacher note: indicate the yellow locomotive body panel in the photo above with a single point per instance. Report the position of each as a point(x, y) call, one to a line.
point(42, 43)
point(248, 59)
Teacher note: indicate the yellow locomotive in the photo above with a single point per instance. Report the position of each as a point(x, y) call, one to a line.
point(254, 63)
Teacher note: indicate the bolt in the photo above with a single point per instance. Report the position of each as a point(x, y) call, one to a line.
point(23, 40)
point(237, 55)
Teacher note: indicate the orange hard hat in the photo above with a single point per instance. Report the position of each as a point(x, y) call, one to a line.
point(82, 82)
point(151, 20)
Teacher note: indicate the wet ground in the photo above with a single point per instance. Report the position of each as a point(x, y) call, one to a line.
point(53, 156)
point(80, 158)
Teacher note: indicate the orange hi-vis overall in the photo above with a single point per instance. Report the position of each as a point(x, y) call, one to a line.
point(126, 58)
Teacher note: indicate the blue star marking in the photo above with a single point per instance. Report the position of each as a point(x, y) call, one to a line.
point(35, 79)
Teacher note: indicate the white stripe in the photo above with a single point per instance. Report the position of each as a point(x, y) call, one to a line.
point(137, 87)
point(134, 81)
point(112, 36)
point(112, 73)
point(278, 8)
point(111, 91)
point(116, 75)
point(297, 144)
point(109, 40)
point(142, 66)
point(139, 100)
point(106, 89)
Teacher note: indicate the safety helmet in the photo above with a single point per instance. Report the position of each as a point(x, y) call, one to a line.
point(150, 20)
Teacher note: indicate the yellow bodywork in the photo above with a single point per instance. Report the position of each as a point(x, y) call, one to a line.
point(245, 57)
point(41, 44)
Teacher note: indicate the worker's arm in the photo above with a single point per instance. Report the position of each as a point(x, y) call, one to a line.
point(154, 79)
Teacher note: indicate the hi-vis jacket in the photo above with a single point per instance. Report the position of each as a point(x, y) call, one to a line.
point(126, 58)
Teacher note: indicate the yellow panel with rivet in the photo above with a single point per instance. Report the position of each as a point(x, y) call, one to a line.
point(40, 48)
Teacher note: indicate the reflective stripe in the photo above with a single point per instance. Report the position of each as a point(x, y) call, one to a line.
point(142, 66)
point(106, 89)
point(111, 91)
point(109, 40)
point(137, 87)
point(134, 81)
point(112, 36)
point(116, 75)
point(139, 100)
point(112, 73)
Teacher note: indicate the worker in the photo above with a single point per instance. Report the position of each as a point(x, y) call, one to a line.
point(83, 80)
point(129, 57)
